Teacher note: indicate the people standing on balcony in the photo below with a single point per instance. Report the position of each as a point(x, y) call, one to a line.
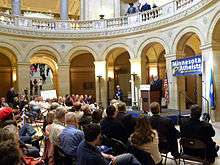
point(139, 5)
point(131, 9)
point(145, 7)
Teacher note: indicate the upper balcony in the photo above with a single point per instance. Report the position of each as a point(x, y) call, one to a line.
point(152, 19)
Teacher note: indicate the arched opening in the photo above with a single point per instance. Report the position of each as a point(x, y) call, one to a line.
point(118, 73)
point(215, 63)
point(153, 62)
point(43, 72)
point(153, 70)
point(189, 87)
point(8, 75)
point(82, 74)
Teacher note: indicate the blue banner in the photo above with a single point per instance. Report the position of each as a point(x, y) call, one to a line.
point(187, 66)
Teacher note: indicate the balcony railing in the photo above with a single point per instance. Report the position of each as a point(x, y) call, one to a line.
point(137, 19)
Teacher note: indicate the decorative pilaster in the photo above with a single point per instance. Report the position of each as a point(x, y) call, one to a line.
point(63, 80)
point(23, 77)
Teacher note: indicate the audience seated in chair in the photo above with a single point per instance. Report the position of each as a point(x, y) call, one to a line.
point(201, 130)
point(58, 125)
point(48, 154)
point(97, 116)
point(10, 132)
point(88, 153)
point(87, 116)
point(167, 132)
point(146, 139)
point(113, 128)
point(70, 136)
point(9, 148)
point(126, 119)
point(142, 156)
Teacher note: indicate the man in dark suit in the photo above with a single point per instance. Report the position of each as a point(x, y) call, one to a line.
point(125, 118)
point(145, 7)
point(113, 128)
point(131, 9)
point(10, 96)
point(166, 130)
point(201, 130)
point(118, 93)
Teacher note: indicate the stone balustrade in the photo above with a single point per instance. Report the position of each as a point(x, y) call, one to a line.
point(136, 19)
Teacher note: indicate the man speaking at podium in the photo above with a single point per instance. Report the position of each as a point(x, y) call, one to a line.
point(156, 85)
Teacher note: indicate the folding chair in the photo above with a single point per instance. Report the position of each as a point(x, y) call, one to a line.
point(165, 149)
point(118, 147)
point(61, 158)
point(194, 150)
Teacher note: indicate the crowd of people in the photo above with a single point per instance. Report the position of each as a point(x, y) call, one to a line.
point(75, 130)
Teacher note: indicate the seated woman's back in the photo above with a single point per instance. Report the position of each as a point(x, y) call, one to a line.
point(146, 139)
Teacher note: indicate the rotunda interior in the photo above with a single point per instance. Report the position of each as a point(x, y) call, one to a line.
point(98, 53)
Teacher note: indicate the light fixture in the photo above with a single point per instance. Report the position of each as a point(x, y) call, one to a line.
point(14, 75)
point(134, 106)
point(100, 98)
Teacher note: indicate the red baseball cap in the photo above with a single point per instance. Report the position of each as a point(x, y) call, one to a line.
point(5, 113)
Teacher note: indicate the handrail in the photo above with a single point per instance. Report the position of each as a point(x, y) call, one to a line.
point(123, 22)
point(186, 96)
point(207, 101)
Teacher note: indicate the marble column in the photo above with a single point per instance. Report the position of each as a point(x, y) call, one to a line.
point(63, 78)
point(23, 77)
point(82, 10)
point(16, 7)
point(101, 83)
point(64, 10)
point(110, 83)
point(117, 8)
point(172, 83)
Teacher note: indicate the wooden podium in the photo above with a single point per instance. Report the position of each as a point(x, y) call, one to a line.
point(155, 96)
point(145, 97)
point(148, 96)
